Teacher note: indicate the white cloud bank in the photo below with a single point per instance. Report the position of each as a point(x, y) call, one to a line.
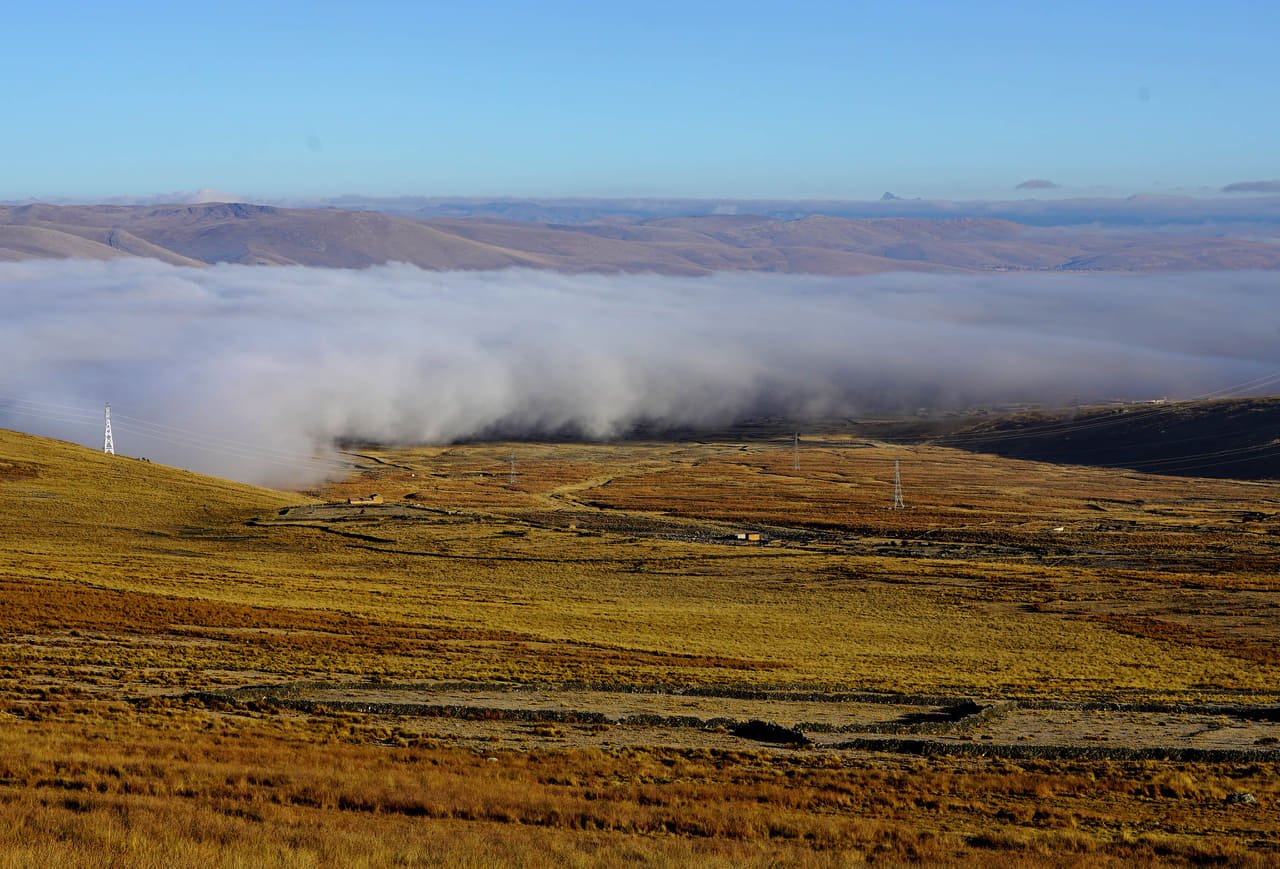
point(268, 361)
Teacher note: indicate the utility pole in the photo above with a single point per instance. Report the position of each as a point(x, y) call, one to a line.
point(897, 486)
point(108, 445)
point(795, 453)
point(511, 477)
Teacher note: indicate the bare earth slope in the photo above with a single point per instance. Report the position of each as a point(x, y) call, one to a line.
point(255, 234)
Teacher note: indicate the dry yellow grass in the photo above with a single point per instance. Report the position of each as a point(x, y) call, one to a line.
point(1001, 573)
point(151, 789)
point(126, 583)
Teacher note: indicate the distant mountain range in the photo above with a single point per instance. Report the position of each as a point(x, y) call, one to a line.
point(207, 233)
point(1147, 211)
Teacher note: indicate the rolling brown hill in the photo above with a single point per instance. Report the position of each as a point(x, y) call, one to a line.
point(265, 235)
point(1227, 438)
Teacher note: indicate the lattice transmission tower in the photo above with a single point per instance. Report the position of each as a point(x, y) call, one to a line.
point(897, 486)
point(108, 445)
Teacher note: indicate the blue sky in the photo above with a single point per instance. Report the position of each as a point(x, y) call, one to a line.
point(699, 99)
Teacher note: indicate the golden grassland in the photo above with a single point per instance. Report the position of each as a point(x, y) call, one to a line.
point(127, 584)
point(159, 784)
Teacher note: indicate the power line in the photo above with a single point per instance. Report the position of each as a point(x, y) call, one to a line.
point(168, 434)
point(1191, 461)
point(1095, 421)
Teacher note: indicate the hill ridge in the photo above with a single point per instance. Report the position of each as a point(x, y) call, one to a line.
point(243, 233)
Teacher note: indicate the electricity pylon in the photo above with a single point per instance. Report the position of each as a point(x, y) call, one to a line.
point(108, 445)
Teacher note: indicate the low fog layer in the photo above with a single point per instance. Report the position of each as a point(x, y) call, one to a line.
point(245, 371)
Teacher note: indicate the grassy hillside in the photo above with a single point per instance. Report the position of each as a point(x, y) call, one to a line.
point(45, 478)
point(74, 505)
point(1234, 438)
point(616, 554)
point(132, 591)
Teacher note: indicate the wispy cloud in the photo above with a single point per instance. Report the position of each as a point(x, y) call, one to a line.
point(1038, 184)
point(177, 197)
point(1253, 187)
point(291, 359)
